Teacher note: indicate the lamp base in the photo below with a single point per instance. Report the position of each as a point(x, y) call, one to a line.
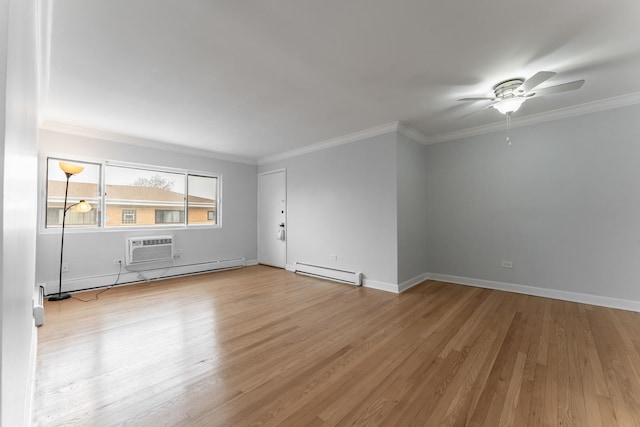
point(59, 297)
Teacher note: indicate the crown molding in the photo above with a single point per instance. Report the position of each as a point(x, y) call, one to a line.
point(334, 142)
point(141, 142)
point(412, 134)
point(400, 127)
point(561, 113)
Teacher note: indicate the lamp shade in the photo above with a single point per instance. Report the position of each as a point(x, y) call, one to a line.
point(83, 206)
point(509, 105)
point(70, 168)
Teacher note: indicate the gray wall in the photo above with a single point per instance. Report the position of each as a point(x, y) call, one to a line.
point(562, 203)
point(412, 209)
point(18, 167)
point(90, 254)
point(342, 201)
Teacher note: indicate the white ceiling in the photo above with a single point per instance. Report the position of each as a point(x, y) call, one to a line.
point(258, 78)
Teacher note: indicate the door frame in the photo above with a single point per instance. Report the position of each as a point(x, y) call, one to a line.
point(286, 212)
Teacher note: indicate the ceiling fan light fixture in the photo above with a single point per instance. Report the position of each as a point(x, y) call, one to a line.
point(509, 105)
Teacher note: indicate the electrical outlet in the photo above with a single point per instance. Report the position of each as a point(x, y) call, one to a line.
point(507, 264)
point(65, 266)
point(118, 261)
point(333, 257)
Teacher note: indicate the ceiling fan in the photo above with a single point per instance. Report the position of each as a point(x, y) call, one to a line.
point(510, 94)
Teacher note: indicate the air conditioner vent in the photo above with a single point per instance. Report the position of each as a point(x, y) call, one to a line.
point(149, 249)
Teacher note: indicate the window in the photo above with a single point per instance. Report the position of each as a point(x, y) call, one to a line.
point(54, 216)
point(143, 192)
point(84, 185)
point(169, 217)
point(202, 199)
point(130, 196)
point(128, 216)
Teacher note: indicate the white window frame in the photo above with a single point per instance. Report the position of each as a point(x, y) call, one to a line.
point(101, 227)
point(43, 182)
point(218, 196)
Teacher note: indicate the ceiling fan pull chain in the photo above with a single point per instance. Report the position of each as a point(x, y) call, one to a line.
point(508, 129)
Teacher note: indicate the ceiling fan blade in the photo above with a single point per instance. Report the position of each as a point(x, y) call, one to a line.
point(559, 88)
point(535, 80)
point(482, 98)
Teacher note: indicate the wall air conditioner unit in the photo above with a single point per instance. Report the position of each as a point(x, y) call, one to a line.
point(149, 249)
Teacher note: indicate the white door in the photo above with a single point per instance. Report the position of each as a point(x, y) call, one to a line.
point(272, 206)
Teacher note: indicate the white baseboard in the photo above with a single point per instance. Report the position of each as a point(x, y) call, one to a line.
point(392, 287)
point(141, 275)
point(132, 277)
point(408, 284)
point(382, 286)
point(598, 300)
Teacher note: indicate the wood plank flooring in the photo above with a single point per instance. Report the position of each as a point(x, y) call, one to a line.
point(262, 346)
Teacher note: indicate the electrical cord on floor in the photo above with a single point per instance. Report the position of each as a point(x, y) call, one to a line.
point(95, 298)
point(149, 279)
point(97, 295)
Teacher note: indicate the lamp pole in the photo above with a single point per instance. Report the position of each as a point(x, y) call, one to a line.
point(60, 295)
point(69, 170)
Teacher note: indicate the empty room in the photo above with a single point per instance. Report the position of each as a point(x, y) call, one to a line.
point(382, 213)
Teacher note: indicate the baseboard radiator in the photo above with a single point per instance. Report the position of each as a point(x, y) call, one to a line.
point(38, 305)
point(343, 276)
point(144, 273)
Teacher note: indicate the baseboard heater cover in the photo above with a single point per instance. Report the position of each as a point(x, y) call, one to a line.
point(343, 276)
point(130, 277)
point(38, 305)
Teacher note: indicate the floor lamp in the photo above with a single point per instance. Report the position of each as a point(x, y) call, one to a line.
point(69, 170)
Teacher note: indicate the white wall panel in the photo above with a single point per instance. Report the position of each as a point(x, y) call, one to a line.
point(18, 167)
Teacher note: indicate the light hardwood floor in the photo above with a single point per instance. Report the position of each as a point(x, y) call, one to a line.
point(261, 346)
